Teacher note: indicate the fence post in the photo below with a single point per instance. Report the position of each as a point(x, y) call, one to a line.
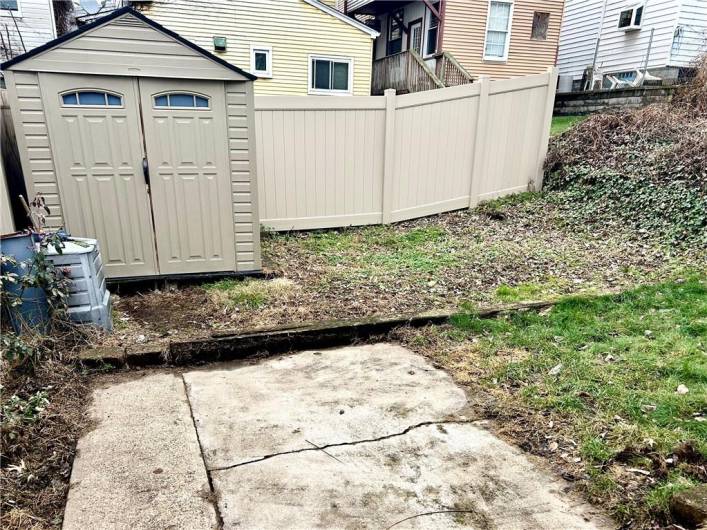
point(389, 156)
point(480, 143)
point(546, 124)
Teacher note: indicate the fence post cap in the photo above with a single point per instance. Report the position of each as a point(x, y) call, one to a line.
point(389, 92)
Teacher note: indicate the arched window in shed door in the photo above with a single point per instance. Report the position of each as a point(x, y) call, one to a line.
point(91, 98)
point(180, 100)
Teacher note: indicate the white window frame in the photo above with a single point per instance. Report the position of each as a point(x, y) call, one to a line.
point(11, 12)
point(633, 8)
point(267, 73)
point(330, 92)
point(426, 26)
point(507, 45)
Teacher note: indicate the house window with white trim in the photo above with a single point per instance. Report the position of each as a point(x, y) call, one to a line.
point(261, 60)
point(630, 19)
point(432, 30)
point(498, 30)
point(11, 7)
point(330, 75)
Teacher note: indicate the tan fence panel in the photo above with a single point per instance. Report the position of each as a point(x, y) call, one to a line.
point(433, 151)
point(512, 137)
point(339, 161)
point(320, 160)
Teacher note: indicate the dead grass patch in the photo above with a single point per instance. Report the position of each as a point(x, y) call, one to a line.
point(44, 406)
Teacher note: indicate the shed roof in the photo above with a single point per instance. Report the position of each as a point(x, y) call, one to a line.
point(221, 69)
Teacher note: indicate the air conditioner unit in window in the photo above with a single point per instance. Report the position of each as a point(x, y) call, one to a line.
point(630, 19)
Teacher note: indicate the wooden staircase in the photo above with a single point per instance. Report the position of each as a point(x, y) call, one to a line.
point(407, 72)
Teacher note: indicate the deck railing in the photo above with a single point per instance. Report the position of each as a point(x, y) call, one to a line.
point(405, 72)
point(450, 72)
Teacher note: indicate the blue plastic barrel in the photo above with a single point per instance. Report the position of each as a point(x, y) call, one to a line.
point(34, 310)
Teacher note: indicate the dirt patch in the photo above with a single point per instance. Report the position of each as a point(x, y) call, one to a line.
point(43, 417)
point(518, 249)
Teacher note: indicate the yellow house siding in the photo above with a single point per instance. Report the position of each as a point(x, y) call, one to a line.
point(293, 28)
point(465, 32)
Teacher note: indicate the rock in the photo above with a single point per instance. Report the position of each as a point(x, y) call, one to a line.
point(689, 507)
point(555, 370)
point(682, 389)
point(102, 355)
point(144, 354)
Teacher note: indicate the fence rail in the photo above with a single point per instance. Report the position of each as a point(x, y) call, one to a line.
point(332, 162)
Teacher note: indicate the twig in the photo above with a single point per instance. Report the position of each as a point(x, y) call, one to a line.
point(429, 513)
point(324, 451)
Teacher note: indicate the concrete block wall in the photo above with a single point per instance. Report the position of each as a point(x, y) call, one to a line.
point(591, 101)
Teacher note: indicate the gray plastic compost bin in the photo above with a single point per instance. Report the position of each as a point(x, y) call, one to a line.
point(89, 300)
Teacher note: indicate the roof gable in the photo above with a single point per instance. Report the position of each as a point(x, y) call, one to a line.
point(126, 42)
point(343, 17)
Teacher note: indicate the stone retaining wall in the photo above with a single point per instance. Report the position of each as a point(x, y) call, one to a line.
point(590, 101)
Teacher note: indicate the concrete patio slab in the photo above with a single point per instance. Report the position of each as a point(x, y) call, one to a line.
point(141, 466)
point(316, 397)
point(474, 479)
point(358, 437)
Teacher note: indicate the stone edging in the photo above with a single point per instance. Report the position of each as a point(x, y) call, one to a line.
point(230, 344)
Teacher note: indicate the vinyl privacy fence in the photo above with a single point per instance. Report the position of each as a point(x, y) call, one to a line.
point(339, 161)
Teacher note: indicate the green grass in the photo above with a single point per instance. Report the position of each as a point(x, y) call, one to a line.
point(622, 357)
point(561, 123)
point(385, 250)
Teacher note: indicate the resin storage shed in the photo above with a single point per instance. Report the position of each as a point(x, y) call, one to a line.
point(144, 141)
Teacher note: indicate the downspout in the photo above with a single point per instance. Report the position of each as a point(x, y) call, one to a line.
point(596, 47)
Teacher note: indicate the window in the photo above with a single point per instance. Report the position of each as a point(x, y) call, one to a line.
point(220, 44)
point(541, 21)
point(498, 30)
point(630, 19)
point(181, 100)
point(395, 32)
point(12, 6)
point(91, 98)
point(261, 60)
point(432, 28)
point(330, 75)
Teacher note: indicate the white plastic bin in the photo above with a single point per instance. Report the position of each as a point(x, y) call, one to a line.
point(89, 300)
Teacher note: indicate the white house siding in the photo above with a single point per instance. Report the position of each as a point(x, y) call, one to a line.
point(35, 23)
point(618, 50)
point(578, 36)
point(690, 33)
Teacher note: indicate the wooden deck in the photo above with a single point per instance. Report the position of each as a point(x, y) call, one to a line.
point(407, 72)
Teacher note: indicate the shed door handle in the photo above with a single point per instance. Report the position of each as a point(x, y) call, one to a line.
point(146, 171)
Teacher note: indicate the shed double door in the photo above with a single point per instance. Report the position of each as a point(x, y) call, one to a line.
point(144, 173)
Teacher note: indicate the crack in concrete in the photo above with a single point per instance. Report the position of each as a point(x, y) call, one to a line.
point(340, 444)
point(213, 496)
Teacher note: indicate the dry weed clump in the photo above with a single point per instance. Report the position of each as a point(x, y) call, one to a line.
point(43, 414)
point(693, 94)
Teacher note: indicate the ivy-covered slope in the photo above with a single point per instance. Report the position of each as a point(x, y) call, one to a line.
point(645, 167)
